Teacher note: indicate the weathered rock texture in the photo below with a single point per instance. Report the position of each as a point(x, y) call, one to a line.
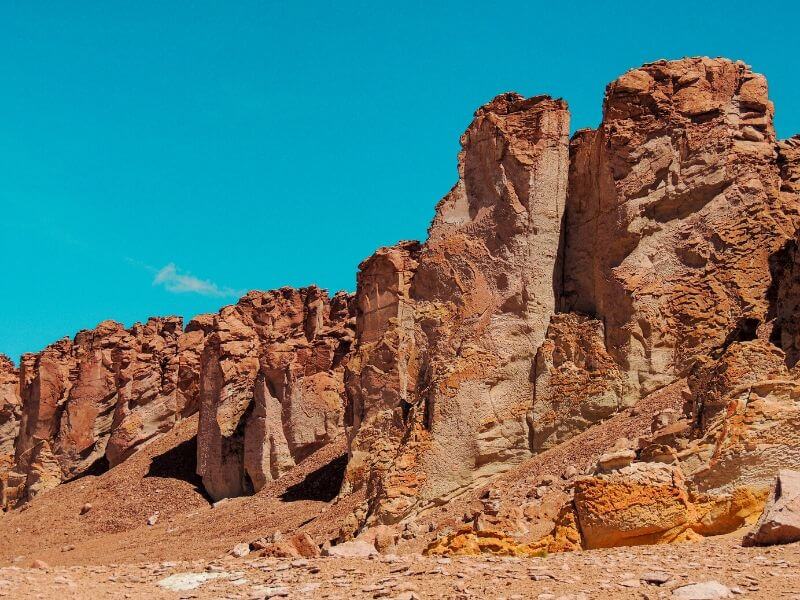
point(10, 412)
point(780, 521)
point(675, 208)
point(649, 503)
point(577, 383)
point(94, 400)
point(10, 406)
point(455, 324)
point(676, 252)
point(271, 386)
point(382, 372)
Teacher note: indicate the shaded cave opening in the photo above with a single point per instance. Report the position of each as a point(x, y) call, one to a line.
point(321, 485)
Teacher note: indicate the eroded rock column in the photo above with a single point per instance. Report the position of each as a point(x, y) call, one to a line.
point(271, 386)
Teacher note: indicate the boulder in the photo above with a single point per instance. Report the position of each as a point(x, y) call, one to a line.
point(644, 503)
point(780, 521)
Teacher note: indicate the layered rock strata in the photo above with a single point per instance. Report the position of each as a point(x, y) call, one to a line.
point(271, 386)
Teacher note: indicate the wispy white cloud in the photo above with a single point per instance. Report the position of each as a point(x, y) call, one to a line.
point(173, 280)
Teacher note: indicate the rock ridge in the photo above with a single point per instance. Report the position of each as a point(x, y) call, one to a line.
point(564, 283)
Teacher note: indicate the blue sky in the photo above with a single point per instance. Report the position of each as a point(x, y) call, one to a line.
point(161, 157)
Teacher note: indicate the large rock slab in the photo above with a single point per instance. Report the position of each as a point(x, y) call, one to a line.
point(780, 521)
point(641, 504)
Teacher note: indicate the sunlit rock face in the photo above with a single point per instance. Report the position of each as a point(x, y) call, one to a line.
point(454, 325)
point(10, 407)
point(271, 386)
point(675, 208)
point(90, 402)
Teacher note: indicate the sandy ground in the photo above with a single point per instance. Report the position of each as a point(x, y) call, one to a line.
point(616, 573)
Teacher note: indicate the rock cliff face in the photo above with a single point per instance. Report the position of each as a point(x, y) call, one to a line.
point(562, 283)
point(94, 400)
point(453, 326)
point(271, 386)
point(10, 412)
point(565, 285)
point(9, 406)
point(675, 209)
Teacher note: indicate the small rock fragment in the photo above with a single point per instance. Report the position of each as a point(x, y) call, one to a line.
point(240, 550)
point(707, 590)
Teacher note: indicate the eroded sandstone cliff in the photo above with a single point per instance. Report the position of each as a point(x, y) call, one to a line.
point(564, 283)
point(91, 402)
point(271, 386)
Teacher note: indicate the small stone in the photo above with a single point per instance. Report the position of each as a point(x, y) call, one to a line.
point(240, 550)
point(39, 564)
point(68, 548)
point(275, 592)
point(305, 545)
point(152, 519)
point(752, 134)
point(570, 472)
point(655, 577)
point(86, 508)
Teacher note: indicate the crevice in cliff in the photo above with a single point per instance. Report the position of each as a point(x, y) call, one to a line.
point(97, 468)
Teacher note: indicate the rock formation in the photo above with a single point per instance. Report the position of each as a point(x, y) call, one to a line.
point(271, 386)
point(10, 412)
point(9, 406)
point(94, 400)
point(457, 322)
point(381, 374)
point(563, 283)
point(675, 213)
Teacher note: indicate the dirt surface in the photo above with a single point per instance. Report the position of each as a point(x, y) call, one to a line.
point(618, 573)
point(160, 480)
